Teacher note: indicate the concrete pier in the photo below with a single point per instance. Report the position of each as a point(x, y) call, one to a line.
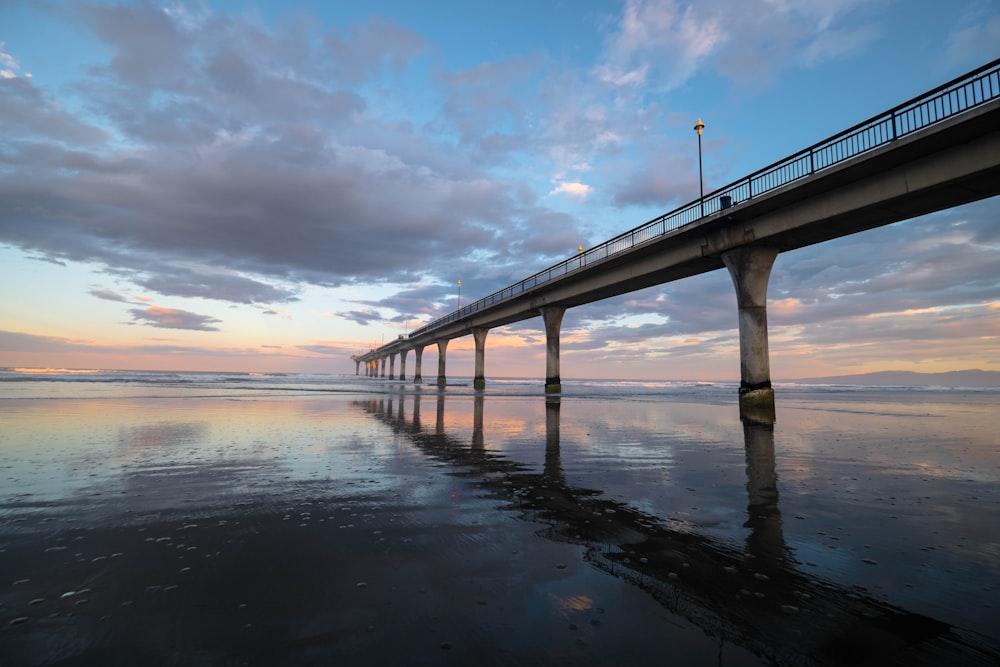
point(479, 334)
point(552, 315)
point(442, 351)
point(392, 365)
point(750, 269)
point(419, 355)
point(402, 364)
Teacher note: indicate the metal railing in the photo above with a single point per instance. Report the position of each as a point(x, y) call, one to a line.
point(967, 92)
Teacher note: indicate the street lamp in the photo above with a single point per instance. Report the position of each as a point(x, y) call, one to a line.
point(460, 295)
point(698, 127)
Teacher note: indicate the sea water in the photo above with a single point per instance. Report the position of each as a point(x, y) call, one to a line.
point(378, 521)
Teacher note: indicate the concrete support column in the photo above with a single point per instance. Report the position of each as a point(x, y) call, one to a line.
point(357, 367)
point(383, 367)
point(479, 334)
point(402, 365)
point(442, 351)
point(392, 366)
point(750, 269)
point(419, 354)
point(552, 316)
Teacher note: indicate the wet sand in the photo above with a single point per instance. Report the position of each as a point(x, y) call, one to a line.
point(418, 527)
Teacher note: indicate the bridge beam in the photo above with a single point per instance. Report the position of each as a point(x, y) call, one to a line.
point(418, 353)
point(552, 316)
point(750, 269)
point(442, 352)
point(402, 364)
point(479, 334)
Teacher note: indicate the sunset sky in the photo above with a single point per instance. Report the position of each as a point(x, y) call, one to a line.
point(275, 186)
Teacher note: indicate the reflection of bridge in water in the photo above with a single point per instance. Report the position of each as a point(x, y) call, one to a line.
point(756, 596)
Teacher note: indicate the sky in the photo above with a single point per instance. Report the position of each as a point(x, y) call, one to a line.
point(229, 185)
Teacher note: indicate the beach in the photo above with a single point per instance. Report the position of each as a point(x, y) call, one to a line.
point(214, 519)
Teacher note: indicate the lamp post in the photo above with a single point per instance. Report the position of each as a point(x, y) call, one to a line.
point(460, 295)
point(698, 127)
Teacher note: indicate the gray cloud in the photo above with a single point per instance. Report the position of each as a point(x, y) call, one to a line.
point(26, 111)
point(109, 295)
point(173, 318)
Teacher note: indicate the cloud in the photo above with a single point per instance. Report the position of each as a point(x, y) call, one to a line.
point(571, 189)
point(108, 295)
point(217, 157)
point(172, 318)
point(8, 65)
point(25, 111)
point(363, 317)
point(664, 43)
point(971, 42)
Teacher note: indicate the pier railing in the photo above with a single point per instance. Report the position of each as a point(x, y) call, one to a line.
point(967, 92)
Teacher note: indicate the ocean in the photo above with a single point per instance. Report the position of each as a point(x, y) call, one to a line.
point(225, 518)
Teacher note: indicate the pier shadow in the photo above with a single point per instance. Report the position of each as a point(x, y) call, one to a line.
point(755, 594)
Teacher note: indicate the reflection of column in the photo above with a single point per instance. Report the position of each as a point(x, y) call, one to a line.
point(415, 427)
point(439, 424)
point(478, 442)
point(400, 416)
point(553, 462)
point(766, 540)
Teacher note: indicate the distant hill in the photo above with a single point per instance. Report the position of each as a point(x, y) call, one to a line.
point(969, 378)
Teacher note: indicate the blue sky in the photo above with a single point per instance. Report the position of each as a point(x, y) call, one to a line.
point(274, 186)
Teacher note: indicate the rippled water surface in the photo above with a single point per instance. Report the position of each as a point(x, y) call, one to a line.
point(182, 518)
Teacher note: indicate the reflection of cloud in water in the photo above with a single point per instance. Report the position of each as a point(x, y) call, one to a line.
point(162, 434)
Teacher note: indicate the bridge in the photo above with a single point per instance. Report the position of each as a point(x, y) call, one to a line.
point(936, 151)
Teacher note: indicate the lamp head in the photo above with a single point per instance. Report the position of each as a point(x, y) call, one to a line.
point(699, 126)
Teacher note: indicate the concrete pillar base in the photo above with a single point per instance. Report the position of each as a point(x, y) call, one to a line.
point(757, 405)
point(553, 386)
point(479, 384)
